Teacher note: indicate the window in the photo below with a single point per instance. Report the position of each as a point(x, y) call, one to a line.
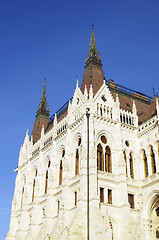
point(153, 163)
point(63, 153)
point(131, 166)
point(104, 162)
point(47, 176)
point(34, 182)
point(22, 197)
point(60, 174)
point(157, 233)
point(79, 141)
point(120, 118)
point(108, 163)
point(100, 162)
point(103, 139)
point(77, 156)
point(125, 163)
point(77, 163)
point(101, 112)
point(127, 143)
point(58, 206)
point(131, 200)
point(109, 196)
point(102, 195)
point(157, 211)
point(75, 199)
point(49, 163)
point(33, 190)
point(46, 181)
point(145, 164)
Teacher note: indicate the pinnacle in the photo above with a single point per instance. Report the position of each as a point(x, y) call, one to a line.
point(93, 57)
point(43, 107)
point(93, 47)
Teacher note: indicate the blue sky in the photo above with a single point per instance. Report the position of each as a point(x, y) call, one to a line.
point(51, 39)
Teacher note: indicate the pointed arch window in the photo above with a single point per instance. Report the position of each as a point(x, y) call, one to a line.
point(22, 197)
point(100, 161)
point(60, 174)
point(145, 164)
point(34, 182)
point(47, 176)
point(33, 190)
point(46, 181)
point(108, 162)
point(131, 166)
point(125, 159)
point(77, 162)
point(104, 160)
point(153, 163)
point(77, 156)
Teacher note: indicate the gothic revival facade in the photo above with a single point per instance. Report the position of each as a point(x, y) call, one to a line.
point(91, 171)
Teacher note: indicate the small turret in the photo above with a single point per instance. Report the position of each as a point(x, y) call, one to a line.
point(42, 116)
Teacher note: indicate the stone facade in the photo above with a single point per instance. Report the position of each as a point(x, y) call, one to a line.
point(51, 194)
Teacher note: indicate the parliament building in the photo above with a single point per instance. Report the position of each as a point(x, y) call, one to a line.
point(90, 171)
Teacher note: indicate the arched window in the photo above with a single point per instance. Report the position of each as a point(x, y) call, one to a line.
point(100, 162)
point(131, 166)
point(22, 197)
point(120, 118)
point(33, 190)
point(34, 181)
point(153, 163)
point(108, 162)
point(104, 160)
point(101, 113)
point(47, 176)
point(77, 156)
point(124, 118)
point(145, 164)
point(46, 181)
point(125, 159)
point(77, 163)
point(60, 174)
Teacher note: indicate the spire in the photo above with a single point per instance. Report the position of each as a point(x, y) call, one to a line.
point(42, 117)
point(43, 109)
point(93, 53)
point(93, 74)
point(93, 48)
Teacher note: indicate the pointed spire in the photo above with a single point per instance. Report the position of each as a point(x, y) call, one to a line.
point(93, 74)
point(93, 57)
point(93, 48)
point(43, 108)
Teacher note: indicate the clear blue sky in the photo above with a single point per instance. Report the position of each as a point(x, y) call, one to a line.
point(50, 39)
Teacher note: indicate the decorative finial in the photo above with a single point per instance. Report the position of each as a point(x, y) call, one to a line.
point(45, 81)
point(92, 27)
